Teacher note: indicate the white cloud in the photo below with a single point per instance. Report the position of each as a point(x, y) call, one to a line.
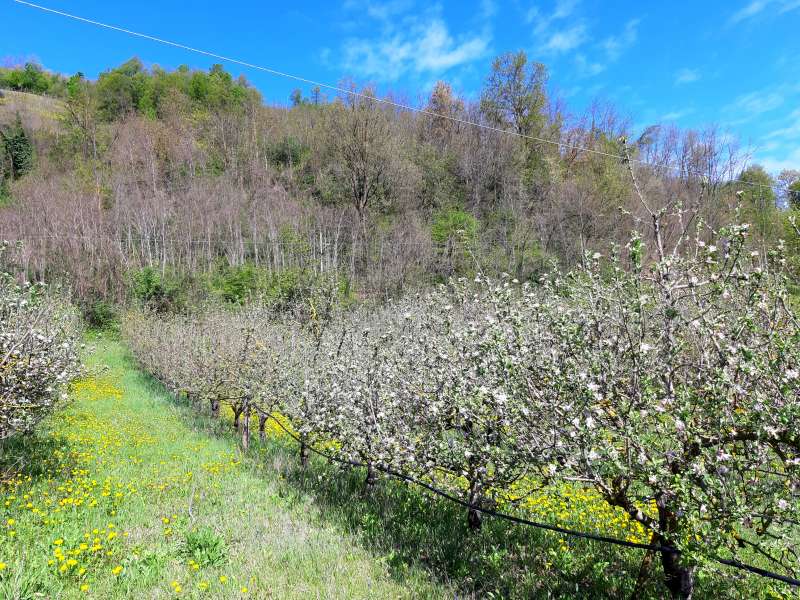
point(686, 76)
point(587, 67)
point(437, 51)
point(542, 22)
point(553, 35)
point(753, 104)
point(565, 40)
point(607, 51)
point(756, 7)
point(422, 45)
point(749, 10)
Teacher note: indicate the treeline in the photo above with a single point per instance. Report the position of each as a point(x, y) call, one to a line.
point(189, 174)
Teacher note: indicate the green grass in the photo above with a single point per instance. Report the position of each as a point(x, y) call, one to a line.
point(184, 508)
point(176, 498)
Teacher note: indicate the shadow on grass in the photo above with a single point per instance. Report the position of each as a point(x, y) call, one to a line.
point(503, 560)
point(35, 455)
point(408, 527)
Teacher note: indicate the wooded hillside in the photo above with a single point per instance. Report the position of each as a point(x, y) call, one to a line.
point(190, 176)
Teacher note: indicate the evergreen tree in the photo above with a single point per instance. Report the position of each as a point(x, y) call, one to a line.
point(17, 150)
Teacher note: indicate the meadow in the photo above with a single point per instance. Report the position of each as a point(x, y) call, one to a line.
point(120, 496)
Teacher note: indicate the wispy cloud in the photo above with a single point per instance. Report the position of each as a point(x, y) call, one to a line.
point(775, 162)
point(608, 51)
point(411, 43)
point(587, 67)
point(685, 75)
point(543, 21)
point(748, 106)
point(565, 39)
point(790, 131)
point(757, 7)
point(554, 32)
point(615, 45)
point(564, 30)
point(676, 115)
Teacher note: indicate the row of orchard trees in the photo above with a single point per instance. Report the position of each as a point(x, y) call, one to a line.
point(39, 352)
point(669, 382)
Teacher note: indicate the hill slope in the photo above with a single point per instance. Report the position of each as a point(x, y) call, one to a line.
point(38, 113)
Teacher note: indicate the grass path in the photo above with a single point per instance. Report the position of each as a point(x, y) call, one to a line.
point(125, 495)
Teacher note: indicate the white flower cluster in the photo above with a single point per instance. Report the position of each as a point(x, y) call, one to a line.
point(670, 388)
point(39, 341)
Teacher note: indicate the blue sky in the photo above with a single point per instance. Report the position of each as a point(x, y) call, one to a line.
point(732, 63)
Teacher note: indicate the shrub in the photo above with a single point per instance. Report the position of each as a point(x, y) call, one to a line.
point(288, 152)
point(100, 315)
point(157, 291)
point(235, 284)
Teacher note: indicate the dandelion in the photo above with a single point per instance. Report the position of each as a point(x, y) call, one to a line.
point(117, 570)
point(223, 579)
point(85, 587)
point(2, 566)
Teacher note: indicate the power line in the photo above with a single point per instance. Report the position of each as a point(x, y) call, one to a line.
point(357, 94)
point(521, 521)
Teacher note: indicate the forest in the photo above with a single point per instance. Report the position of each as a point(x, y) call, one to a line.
point(181, 185)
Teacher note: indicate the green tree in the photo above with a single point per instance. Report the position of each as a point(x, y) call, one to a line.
point(120, 90)
point(30, 78)
point(755, 188)
point(296, 97)
point(515, 97)
point(17, 150)
point(794, 195)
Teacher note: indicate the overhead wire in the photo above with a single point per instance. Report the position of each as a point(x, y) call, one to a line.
point(521, 521)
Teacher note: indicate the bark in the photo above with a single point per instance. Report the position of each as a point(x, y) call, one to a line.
point(678, 577)
point(303, 453)
point(246, 430)
point(262, 422)
point(474, 517)
point(370, 479)
point(237, 412)
point(644, 571)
